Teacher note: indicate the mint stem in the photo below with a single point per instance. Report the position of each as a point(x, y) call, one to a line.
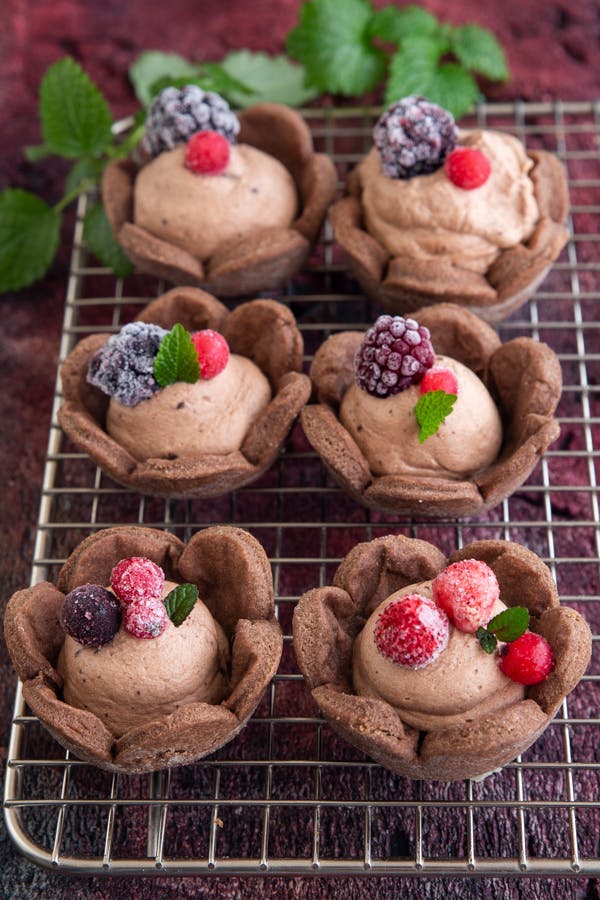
point(84, 186)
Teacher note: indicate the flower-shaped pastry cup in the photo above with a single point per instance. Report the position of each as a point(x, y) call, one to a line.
point(403, 284)
point(233, 576)
point(262, 330)
point(327, 620)
point(264, 259)
point(522, 375)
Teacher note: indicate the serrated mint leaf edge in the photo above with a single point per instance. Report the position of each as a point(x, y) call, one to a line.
point(174, 361)
point(180, 602)
point(502, 625)
point(425, 412)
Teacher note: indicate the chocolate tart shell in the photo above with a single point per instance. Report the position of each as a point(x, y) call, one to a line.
point(260, 261)
point(522, 375)
point(327, 620)
point(234, 580)
point(262, 330)
point(403, 284)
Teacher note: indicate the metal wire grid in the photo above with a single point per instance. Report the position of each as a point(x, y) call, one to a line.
point(288, 796)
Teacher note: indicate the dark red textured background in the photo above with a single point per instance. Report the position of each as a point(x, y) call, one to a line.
point(554, 52)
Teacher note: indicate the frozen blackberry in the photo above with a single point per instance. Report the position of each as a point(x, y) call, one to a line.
point(90, 615)
point(414, 137)
point(123, 367)
point(175, 115)
point(395, 353)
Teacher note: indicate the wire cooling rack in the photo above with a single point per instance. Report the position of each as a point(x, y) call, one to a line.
point(287, 796)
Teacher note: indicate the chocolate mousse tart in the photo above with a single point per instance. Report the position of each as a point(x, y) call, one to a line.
point(148, 653)
point(189, 400)
point(439, 669)
point(432, 416)
point(434, 214)
point(228, 203)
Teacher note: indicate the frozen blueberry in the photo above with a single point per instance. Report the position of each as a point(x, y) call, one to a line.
point(175, 115)
point(123, 368)
point(91, 615)
point(413, 137)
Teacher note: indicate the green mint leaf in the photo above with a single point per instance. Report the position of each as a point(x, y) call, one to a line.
point(414, 70)
point(453, 88)
point(333, 44)
point(180, 602)
point(509, 624)
point(273, 78)
point(76, 120)
point(29, 236)
point(35, 152)
point(395, 25)
point(98, 235)
point(153, 66)
point(209, 77)
point(488, 641)
point(477, 49)
point(431, 410)
point(176, 359)
point(86, 169)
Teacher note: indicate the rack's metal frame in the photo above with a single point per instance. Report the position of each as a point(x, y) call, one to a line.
point(45, 787)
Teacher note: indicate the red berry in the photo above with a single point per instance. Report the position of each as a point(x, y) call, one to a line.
point(527, 660)
point(207, 153)
point(439, 379)
point(137, 577)
point(212, 350)
point(412, 631)
point(145, 618)
point(467, 591)
point(467, 168)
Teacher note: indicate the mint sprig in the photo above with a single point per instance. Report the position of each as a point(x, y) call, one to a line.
point(176, 359)
point(507, 626)
point(431, 410)
point(180, 602)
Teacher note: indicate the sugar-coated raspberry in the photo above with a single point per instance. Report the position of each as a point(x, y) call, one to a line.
point(145, 617)
point(467, 168)
point(212, 350)
point(136, 578)
point(395, 353)
point(439, 379)
point(91, 615)
point(527, 660)
point(207, 153)
point(124, 367)
point(413, 137)
point(467, 591)
point(176, 114)
point(412, 631)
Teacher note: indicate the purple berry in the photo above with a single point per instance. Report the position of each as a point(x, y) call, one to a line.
point(124, 367)
point(90, 615)
point(414, 137)
point(395, 353)
point(175, 115)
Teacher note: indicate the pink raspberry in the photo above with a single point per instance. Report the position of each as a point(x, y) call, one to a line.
point(439, 379)
point(145, 617)
point(412, 631)
point(467, 168)
point(212, 350)
point(528, 660)
point(467, 591)
point(207, 153)
point(137, 577)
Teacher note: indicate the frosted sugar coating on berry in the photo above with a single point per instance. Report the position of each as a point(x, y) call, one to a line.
point(90, 615)
point(412, 631)
point(176, 114)
point(528, 660)
point(439, 379)
point(212, 350)
point(395, 353)
point(467, 168)
point(207, 153)
point(124, 367)
point(145, 618)
point(413, 137)
point(136, 578)
point(467, 591)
